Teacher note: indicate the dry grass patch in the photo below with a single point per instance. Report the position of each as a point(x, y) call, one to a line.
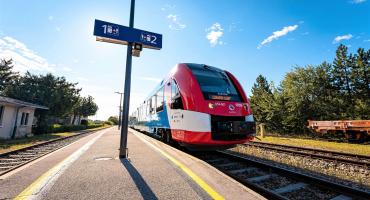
point(11, 145)
point(362, 149)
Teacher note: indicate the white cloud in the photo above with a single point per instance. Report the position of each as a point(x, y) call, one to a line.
point(58, 28)
point(82, 78)
point(357, 1)
point(24, 58)
point(67, 69)
point(305, 33)
point(175, 23)
point(168, 7)
point(215, 32)
point(51, 18)
point(342, 37)
point(157, 80)
point(277, 34)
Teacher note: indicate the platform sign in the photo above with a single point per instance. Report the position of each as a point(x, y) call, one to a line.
point(115, 33)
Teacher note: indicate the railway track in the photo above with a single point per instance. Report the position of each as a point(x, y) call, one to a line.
point(335, 156)
point(12, 160)
point(275, 182)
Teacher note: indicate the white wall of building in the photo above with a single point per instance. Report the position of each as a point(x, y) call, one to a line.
point(8, 120)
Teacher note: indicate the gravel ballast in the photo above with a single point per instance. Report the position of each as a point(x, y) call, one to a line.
point(350, 175)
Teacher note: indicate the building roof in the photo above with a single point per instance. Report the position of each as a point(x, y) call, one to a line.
point(17, 102)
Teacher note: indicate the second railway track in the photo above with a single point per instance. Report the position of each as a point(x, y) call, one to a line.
point(361, 160)
point(12, 160)
point(275, 182)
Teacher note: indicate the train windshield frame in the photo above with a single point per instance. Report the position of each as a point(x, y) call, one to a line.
point(216, 85)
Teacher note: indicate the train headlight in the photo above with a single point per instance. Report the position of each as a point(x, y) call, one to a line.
point(211, 105)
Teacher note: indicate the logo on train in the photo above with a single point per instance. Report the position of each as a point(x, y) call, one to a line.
point(231, 107)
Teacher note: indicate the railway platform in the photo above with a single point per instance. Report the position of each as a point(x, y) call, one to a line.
point(90, 169)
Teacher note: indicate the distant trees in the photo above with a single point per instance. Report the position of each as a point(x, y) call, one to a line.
point(113, 119)
point(60, 96)
point(323, 92)
point(84, 107)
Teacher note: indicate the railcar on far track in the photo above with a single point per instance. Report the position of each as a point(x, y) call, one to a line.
point(199, 107)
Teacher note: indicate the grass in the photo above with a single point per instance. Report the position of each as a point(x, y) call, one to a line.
point(362, 149)
point(11, 145)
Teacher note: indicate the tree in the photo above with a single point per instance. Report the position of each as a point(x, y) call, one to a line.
point(85, 106)
point(113, 119)
point(360, 76)
point(342, 82)
point(7, 76)
point(53, 92)
point(265, 106)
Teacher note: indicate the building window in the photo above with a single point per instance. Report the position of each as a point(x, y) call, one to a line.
point(1, 115)
point(24, 119)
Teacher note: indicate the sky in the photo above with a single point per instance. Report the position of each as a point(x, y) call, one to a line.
point(245, 37)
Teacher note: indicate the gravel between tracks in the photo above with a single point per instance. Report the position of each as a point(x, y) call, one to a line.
point(350, 175)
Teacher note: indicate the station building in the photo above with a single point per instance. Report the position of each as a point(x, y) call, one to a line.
point(16, 117)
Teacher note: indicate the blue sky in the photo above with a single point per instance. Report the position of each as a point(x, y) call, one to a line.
point(245, 37)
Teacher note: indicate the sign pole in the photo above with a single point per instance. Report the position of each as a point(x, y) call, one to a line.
point(126, 93)
point(120, 110)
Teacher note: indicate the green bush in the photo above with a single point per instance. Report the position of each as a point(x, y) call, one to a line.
point(57, 128)
point(109, 123)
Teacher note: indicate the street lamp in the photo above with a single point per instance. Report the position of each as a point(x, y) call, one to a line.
point(120, 110)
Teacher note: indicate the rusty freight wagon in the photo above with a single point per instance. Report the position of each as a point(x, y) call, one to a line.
point(351, 129)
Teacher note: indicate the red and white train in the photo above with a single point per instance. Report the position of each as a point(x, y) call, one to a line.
point(198, 106)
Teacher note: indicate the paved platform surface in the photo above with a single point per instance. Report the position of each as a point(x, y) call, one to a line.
point(91, 169)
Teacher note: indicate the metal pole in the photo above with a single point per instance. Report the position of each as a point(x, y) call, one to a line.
point(120, 110)
point(126, 99)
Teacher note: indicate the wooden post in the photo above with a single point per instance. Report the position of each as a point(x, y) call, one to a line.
point(262, 130)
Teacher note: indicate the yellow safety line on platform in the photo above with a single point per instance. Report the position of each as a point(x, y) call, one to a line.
point(211, 192)
point(40, 183)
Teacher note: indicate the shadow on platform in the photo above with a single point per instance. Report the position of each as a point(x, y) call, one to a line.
point(140, 183)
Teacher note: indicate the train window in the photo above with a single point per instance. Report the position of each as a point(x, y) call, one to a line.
point(216, 85)
point(160, 100)
point(176, 101)
point(152, 104)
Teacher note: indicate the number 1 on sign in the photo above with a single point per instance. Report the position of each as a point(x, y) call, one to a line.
point(105, 29)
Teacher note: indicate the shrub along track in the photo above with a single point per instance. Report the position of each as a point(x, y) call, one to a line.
point(12, 160)
point(353, 159)
point(275, 182)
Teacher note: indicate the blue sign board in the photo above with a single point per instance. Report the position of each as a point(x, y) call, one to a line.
point(127, 34)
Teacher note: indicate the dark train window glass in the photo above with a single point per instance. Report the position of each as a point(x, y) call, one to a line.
point(176, 101)
point(160, 100)
point(216, 85)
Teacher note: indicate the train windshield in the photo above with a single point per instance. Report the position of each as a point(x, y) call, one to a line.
point(216, 85)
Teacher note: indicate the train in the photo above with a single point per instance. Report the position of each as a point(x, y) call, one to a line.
point(352, 130)
point(199, 107)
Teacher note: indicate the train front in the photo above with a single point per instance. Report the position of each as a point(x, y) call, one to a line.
point(226, 118)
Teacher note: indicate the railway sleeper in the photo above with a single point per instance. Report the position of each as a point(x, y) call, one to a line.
point(10, 163)
point(239, 171)
point(341, 197)
point(261, 178)
point(290, 187)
